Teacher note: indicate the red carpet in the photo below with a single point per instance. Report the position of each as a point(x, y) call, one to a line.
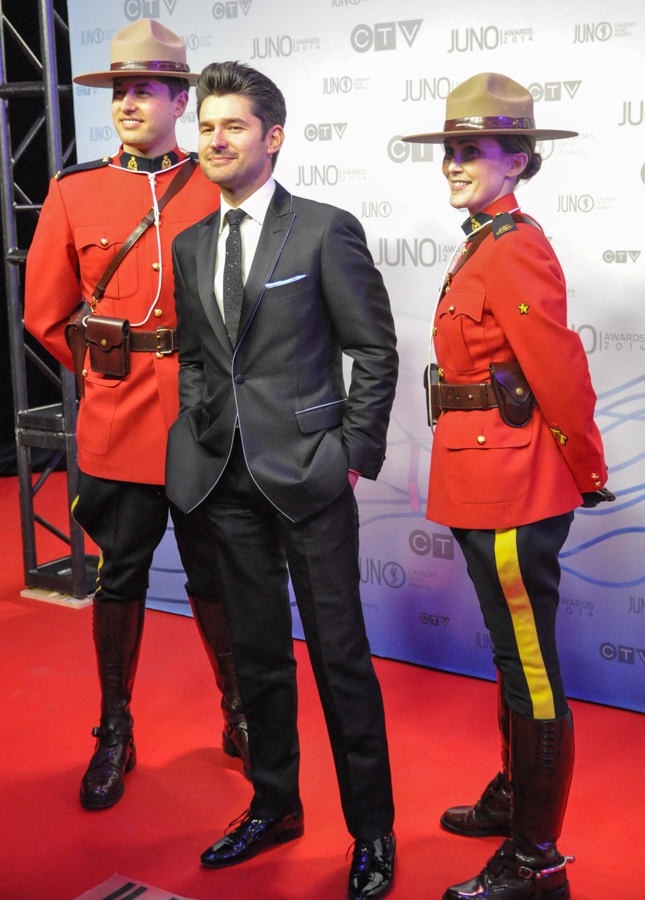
point(185, 790)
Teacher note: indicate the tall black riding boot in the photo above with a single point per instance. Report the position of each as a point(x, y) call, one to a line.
point(212, 626)
point(117, 630)
point(529, 866)
point(492, 812)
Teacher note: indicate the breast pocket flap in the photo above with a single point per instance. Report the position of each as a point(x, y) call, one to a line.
point(464, 432)
point(330, 415)
point(463, 303)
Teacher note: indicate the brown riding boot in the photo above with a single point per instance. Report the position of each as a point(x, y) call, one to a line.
point(212, 626)
point(491, 815)
point(529, 866)
point(117, 628)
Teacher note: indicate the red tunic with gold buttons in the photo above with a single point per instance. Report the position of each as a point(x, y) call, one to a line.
point(122, 424)
point(509, 302)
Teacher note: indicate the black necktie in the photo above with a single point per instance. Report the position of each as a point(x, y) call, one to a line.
point(233, 293)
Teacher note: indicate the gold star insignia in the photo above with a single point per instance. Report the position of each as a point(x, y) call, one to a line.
point(523, 308)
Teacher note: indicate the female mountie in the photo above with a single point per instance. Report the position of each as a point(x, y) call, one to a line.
point(515, 451)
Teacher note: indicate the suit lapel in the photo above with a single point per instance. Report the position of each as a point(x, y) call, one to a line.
point(205, 257)
point(275, 231)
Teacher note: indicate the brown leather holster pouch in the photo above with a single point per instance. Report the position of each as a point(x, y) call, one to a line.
point(77, 342)
point(430, 383)
point(109, 343)
point(514, 395)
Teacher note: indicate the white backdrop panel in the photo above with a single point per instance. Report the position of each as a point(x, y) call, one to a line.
point(358, 74)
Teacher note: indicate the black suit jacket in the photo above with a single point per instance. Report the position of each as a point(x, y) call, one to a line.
point(312, 294)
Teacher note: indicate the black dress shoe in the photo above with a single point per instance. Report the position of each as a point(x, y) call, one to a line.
point(251, 837)
point(372, 872)
point(115, 754)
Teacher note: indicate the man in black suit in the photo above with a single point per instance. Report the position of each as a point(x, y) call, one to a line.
point(270, 291)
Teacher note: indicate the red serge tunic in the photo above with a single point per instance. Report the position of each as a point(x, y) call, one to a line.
point(122, 424)
point(509, 302)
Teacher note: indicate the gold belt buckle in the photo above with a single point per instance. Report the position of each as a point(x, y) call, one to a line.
point(161, 330)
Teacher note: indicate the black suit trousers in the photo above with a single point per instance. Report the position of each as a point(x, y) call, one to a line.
point(253, 544)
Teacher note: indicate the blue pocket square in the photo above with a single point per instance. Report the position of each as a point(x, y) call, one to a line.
point(273, 284)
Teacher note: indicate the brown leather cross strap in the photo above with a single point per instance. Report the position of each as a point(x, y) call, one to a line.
point(181, 178)
point(164, 341)
point(465, 396)
point(473, 246)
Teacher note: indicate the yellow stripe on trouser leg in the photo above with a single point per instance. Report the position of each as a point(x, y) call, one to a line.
point(98, 571)
point(510, 577)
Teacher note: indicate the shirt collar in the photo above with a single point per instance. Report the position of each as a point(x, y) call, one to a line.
point(146, 164)
point(473, 223)
point(254, 206)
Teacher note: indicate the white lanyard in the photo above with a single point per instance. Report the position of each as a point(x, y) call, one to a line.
point(152, 181)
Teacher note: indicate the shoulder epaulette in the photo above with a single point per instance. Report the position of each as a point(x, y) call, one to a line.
point(194, 155)
point(84, 167)
point(502, 224)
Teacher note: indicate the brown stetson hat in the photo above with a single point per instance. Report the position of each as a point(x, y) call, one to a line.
point(144, 48)
point(489, 104)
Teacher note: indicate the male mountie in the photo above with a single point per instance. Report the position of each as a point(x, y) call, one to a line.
point(90, 212)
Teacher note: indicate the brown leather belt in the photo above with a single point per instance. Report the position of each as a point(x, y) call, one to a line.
point(164, 341)
point(465, 396)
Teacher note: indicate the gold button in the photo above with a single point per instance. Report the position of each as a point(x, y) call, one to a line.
point(481, 439)
point(84, 373)
point(159, 355)
point(104, 242)
point(106, 158)
point(519, 391)
point(158, 312)
point(447, 288)
point(434, 330)
point(594, 475)
point(156, 266)
point(103, 342)
point(451, 309)
point(440, 373)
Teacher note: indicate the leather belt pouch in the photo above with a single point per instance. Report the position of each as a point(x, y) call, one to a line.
point(77, 342)
point(430, 383)
point(109, 343)
point(514, 395)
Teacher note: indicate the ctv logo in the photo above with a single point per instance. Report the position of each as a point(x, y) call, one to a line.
point(383, 35)
point(150, 9)
point(621, 654)
point(324, 132)
point(552, 90)
point(230, 9)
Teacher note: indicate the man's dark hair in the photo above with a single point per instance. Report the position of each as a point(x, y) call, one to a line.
point(267, 101)
point(175, 85)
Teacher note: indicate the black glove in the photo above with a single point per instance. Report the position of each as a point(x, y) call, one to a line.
point(591, 499)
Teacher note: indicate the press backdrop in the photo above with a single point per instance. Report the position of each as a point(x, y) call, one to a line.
point(358, 74)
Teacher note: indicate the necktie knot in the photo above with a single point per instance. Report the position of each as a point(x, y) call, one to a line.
point(235, 216)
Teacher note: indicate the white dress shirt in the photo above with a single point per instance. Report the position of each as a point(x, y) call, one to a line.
point(255, 208)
